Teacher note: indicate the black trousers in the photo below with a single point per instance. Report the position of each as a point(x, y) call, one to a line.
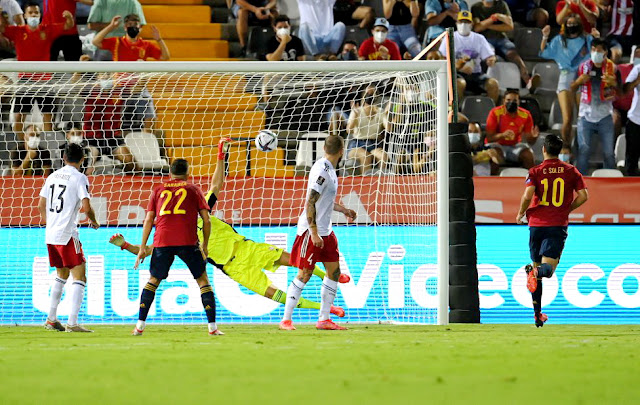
point(632, 153)
point(70, 45)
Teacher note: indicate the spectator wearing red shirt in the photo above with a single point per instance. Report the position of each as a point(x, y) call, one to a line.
point(33, 43)
point(622, 25)
point(175, 206)
point(586, 9)
point(379, 47)
point(508, 126)
point(551, 185)
point(68, 42)
point(131, 47)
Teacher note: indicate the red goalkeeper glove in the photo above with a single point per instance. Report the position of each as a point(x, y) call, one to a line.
point(222, 147)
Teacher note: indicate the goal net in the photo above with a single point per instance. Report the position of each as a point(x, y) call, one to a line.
point(134, 122)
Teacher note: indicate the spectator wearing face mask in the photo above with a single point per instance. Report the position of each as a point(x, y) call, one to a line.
point(440, 15)
point(599, 83)
point(349, 51)
point(33, 43)
point(632, 85)
point(378, 47)
point(30, 156)
point(69, 41)
point(283, 46)
point(76, 135)
point(586, 9)
point(471, 49)
point(510, 130)
point(486, 160)
point(568, 50)
point(131, 47)
point(101, 15)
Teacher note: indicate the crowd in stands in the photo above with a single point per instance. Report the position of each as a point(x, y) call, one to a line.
point(591, 99)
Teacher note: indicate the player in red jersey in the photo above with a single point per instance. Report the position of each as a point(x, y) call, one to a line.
point(551, 185)
point(175, 205)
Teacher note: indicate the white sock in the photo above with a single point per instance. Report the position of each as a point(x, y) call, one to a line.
point(77, 294)
point(293, 296)
point(328, 294)
point(56, 294)
point(212, 326)
point(140, 325)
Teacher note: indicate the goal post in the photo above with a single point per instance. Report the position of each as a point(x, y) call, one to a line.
point(395, 174)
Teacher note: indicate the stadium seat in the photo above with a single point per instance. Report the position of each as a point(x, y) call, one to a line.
point(531, 104)
point(514, 172)
point(549, 72)
point(607, 173)
point(357, 34)
point(506, 73)
point(527, 41)
point(145, 149)
point(545, 98)
point(555, 117)
point(477, 108)
point(257, 42)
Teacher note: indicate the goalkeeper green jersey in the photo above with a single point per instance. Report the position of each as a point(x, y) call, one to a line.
point(223, 237)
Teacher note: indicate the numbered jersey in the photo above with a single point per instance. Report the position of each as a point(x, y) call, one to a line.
point(555, 182)
point(64, 191)
point(177, 204)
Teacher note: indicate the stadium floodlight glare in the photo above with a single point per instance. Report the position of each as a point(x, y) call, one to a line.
point(393, 115)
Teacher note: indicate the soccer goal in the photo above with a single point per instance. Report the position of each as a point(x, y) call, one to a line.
point(135, 118)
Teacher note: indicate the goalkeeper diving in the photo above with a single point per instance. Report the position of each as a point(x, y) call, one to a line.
point(238, 257)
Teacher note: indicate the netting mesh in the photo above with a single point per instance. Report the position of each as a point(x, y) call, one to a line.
point(134, 124)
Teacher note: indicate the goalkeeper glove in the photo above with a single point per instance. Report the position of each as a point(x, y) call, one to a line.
point(223, 147)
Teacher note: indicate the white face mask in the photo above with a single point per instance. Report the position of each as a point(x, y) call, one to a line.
point(636, 62)
point(464, 29)
point(106, 84)
point(33, 142)
point(597, 57)
point(282, 32)
point(379, 36)
point(565, 157)
point(75, 139)
point(33, 21)
point(474, 137)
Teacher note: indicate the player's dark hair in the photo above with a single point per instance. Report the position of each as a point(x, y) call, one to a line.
point(600, 42)
point(553, 144)
point(281, 18)
point(32, 4)
point(179, 167)
point(333, 144)
point(73, 153)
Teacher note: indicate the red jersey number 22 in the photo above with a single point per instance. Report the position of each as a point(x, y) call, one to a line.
point(181, 194)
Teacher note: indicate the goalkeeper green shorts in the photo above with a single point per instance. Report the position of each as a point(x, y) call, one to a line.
point(246, 266)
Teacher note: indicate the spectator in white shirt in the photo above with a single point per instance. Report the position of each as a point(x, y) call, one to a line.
point(317, 30)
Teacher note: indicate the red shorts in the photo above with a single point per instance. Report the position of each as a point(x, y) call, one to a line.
point(305, 254)
point(69, 255)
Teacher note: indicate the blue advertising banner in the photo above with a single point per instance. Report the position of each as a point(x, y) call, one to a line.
point(392, 268)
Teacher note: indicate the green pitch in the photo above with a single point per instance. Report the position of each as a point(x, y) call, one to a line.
point(465, 364)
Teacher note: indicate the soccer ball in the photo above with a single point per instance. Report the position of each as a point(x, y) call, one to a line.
point(266, 140)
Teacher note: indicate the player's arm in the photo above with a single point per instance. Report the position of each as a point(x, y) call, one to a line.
point(206, 232)
point(351, 214)
point(525, 201)
point(218, 175)
point(314, 196)
point(100, 36)
point(91, 214)
point(42, 208)
point(146, 231)
point(583, 196)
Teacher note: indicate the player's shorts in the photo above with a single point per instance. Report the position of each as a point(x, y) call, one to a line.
point(66, 256)
point(245, 267)
point(305, 254)
point(546, 241)
point(162, 259)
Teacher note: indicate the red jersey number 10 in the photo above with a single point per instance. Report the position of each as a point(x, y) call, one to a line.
point(181, 194)
point(557, 192)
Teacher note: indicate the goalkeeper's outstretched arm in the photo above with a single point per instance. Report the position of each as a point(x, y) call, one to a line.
point(218, 175)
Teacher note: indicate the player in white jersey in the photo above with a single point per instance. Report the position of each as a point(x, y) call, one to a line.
point(315, 241)
point(65, 192)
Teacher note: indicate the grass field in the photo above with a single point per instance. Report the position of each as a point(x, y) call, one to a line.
point(465, 364)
